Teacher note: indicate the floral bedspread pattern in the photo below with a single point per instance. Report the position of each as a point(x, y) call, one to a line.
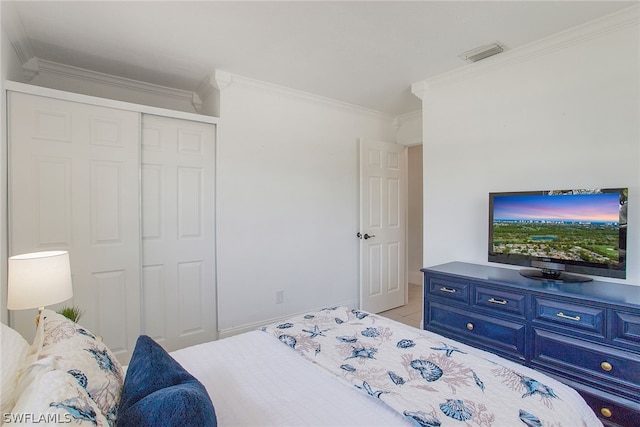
point(431, 382)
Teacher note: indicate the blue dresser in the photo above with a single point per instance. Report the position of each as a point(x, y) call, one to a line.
point(586, 335)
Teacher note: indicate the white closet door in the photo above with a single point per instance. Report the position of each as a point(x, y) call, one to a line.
point(74, 185)
point(178, 158)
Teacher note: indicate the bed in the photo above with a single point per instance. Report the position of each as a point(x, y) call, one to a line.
point(332, 367)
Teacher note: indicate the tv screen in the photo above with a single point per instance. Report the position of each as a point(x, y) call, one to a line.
point(577, 231)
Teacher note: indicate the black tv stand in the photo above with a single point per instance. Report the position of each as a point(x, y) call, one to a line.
point(553, 275)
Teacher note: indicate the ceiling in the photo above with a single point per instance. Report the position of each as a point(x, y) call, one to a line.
point(360, 52)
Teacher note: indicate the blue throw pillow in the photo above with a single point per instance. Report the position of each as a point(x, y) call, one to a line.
point(158, 391)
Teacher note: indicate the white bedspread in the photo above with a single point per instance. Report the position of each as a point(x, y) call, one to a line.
point(255, 380)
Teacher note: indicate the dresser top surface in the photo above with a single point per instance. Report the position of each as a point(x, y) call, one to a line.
point(615, 293)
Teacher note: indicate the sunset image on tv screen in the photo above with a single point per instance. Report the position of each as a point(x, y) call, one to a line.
point(578, 227)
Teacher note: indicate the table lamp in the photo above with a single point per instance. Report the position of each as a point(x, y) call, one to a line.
point(38, 279)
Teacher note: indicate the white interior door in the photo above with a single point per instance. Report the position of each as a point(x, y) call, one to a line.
point(74, 185)
point(382, 225)
point(178, 280)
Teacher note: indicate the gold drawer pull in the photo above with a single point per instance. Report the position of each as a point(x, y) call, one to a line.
point(564, 316)
point(606, 366)
point(470, 326)
point(606, 412)
point(497, 301)
point(451, 291)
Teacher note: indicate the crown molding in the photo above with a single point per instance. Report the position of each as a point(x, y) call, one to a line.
point(298, 94)
point(617, 21)
point(37, 66)
point(12, 25)
point(196, 101)
point(107, 102)
point(30, 68)
point(407, 117)
point(408, 128)
point(221, 79)
point(218, 80)
point(420, 89)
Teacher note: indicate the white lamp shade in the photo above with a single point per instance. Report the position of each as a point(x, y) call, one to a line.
point(38, 279)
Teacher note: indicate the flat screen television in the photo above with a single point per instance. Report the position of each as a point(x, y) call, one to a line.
point(560, 232)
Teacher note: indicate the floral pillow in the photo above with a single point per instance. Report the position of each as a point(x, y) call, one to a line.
point(66, 346)
point(55, 398)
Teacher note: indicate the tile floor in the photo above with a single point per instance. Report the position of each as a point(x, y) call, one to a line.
point(411, 313)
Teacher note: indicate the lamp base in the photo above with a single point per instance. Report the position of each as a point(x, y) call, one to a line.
point(37, 319)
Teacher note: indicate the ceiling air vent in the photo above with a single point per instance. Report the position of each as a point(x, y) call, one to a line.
point(481, 52)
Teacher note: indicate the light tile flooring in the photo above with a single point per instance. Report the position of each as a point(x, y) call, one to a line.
point(411, 313)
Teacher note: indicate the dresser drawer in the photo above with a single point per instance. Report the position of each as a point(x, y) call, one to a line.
point(613, 411)
point(499, 300)
point(585, 360)
point(478, 329)
point(448, 288)
point(575, 316)
point(626, 328)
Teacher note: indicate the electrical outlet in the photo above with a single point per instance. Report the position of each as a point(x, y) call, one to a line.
point(279, 297)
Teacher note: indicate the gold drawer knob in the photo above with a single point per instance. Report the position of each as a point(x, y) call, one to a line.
point(606, 412)
point(606, 366)
point(470, 326)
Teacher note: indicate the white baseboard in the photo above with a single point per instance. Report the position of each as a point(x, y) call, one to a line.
point(225, 333)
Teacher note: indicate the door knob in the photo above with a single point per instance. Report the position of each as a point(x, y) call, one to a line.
point(366, 236)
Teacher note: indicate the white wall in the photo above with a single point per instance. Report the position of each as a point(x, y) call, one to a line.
point(409, 128)
point(9, 69)
point(560, 115)
point(287, 202)
point(414, 214)
point(287, 190)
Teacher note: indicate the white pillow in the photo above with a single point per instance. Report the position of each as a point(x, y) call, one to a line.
point(54, 398)
point(13, 351)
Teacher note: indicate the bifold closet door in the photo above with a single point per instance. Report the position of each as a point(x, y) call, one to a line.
point(74, 185)
point(178, 242)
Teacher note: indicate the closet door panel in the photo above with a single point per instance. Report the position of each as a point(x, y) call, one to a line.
point(110, 290)
point(74, 185)
point(153, 290)
point(52, 200)
point(178, 159)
